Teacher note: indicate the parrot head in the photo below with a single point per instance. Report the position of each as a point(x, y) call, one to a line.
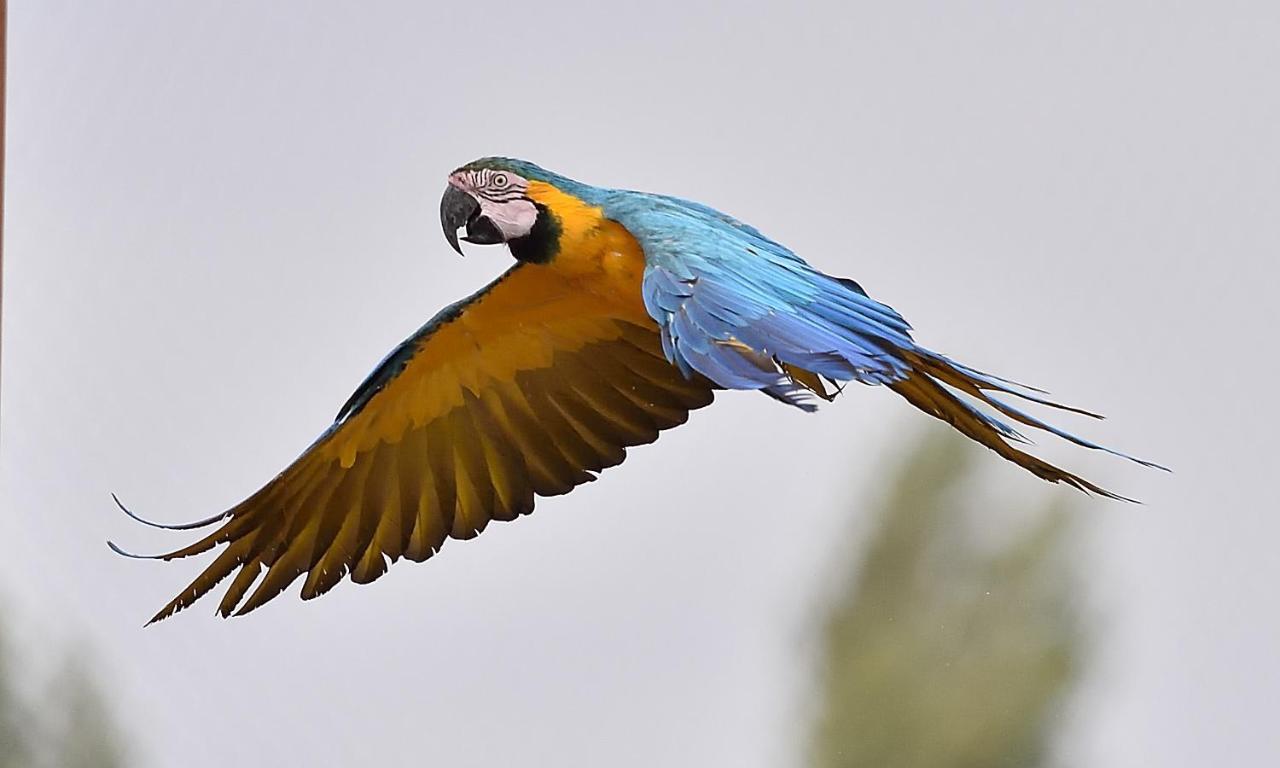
point(500, 200)
point(491, 199)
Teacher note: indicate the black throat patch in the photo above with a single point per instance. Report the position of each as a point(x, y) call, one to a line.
point(543, 241)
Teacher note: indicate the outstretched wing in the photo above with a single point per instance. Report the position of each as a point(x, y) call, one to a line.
point(747, 313)
point(524, 389)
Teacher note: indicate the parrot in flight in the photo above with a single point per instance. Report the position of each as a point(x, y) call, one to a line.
point(623, 312)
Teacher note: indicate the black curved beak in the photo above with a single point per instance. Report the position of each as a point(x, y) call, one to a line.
point(458, 209)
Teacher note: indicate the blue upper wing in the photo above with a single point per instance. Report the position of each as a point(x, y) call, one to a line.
point(734, 305)
point(745, 312)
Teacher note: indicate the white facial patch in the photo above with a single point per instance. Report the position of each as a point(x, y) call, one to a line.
point(514, 218)
point(501, 195)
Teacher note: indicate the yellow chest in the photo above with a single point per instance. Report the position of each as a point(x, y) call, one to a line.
point(595, 254)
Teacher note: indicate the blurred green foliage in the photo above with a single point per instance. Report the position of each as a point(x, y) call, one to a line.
point(66, 725)
point(940, 648)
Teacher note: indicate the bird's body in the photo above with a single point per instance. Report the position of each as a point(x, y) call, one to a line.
point(624, 312)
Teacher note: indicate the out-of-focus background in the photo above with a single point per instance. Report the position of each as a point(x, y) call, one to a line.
point(221, 215)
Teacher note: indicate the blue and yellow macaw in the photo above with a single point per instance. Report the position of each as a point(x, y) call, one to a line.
point(623, 312)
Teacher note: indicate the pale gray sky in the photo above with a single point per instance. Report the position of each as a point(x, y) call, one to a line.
point(221, 215)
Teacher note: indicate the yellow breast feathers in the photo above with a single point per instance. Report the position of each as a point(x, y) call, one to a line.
point(595, 253)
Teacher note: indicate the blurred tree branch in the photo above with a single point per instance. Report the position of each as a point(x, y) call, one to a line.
point(70, 727)
point(939, 650)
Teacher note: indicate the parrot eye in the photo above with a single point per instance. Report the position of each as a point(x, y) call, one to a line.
point(500, 181)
